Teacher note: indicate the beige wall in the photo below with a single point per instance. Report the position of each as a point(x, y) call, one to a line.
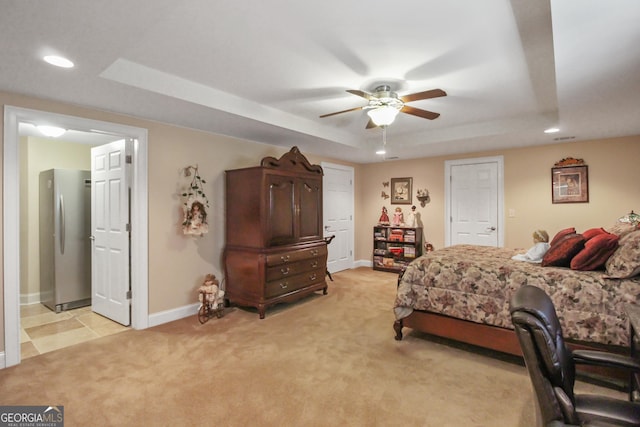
point(613, 190)
point(177, 263)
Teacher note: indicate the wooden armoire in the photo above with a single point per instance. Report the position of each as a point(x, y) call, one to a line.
point(275, 251)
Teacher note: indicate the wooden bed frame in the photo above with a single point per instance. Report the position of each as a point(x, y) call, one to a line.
point(479, 334)
point(499, 339)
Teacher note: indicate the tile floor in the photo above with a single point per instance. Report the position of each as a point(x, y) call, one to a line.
point(42, 330)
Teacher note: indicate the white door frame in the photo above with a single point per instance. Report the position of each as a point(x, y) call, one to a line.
point(11, 218)
point(448, 165)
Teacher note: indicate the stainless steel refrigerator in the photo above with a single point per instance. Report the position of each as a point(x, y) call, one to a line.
point(65, 247)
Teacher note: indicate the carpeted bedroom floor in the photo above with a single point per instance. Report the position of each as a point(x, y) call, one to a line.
point(326, 360)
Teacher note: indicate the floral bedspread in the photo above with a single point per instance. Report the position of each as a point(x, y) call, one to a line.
point(476, 283)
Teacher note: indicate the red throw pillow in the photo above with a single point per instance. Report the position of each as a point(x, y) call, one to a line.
point(596, 252)
point(561, 253)
point(593, 232)
point(561, 234)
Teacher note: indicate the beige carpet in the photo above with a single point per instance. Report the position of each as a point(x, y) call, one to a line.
point(323, 361)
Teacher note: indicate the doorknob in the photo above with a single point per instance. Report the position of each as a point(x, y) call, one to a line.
point(491, 229)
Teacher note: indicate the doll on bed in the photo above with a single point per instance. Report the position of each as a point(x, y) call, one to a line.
point(537, 251)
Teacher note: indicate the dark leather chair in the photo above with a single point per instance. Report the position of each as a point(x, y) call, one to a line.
point(551, 365)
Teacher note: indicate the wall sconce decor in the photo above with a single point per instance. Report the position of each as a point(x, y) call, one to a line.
point(423, 197)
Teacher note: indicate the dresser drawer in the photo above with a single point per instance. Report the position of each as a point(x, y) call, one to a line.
point(298, 255)
point(289, 269)
point(290, 284)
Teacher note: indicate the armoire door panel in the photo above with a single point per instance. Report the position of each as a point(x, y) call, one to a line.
point(310, 227)
point(281, 223)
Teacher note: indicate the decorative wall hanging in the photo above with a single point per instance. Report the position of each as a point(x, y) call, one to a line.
point(570, 181)
point(423, 197)
point(401, 191)
point(195, 206)
point(384, 195)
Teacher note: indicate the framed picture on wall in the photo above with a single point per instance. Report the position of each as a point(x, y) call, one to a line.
point(401, 191)
point(570, 184)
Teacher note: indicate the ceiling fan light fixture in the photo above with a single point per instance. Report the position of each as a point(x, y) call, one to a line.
point(384, 115)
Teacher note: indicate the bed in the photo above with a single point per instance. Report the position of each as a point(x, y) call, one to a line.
point(462, 293)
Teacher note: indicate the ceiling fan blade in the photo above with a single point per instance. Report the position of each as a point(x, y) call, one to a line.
point(340, 112)
point(428, 94)
point(365, 95)
point(371, 125)
point(420, 113)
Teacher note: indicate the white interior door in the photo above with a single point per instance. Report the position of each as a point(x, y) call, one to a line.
point(110, 284)
point(475, 202)
point(337, 215)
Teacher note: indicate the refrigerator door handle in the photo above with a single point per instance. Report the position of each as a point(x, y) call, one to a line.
point(62, 224)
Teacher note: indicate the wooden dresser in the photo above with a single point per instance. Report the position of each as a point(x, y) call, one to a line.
point(274, 250)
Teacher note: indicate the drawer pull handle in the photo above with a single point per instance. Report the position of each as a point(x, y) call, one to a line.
point(284, 285)
point(314, 264)
point(314, 252)
point(284, 271)
point(284, 258)
point(312, 277)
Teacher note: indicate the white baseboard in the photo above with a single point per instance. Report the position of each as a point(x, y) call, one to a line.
point(3, 362)
point(28, 299)
point(363, 263)
point(167, 316)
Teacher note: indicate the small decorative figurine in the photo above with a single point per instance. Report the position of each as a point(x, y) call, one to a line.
point(398, 218)
point(412, 218)
point(384, 218)
point(211, 297)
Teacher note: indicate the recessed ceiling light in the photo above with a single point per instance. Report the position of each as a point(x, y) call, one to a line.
point(552, 130)
point(51, 131)
point(58, 61)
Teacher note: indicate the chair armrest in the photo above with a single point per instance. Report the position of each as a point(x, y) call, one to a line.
point(603, 358)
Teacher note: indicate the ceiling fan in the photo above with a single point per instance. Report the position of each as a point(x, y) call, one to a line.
point(384, 105)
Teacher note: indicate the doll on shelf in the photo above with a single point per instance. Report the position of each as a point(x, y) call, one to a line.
point(384, 218)
point(398, 218)
point(412, 218)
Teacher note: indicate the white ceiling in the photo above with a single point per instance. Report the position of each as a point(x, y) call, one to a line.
point(266, 71)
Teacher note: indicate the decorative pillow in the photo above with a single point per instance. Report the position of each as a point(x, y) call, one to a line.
point(593, 232)
point(625, 261)
point(621, 229)
point(561, 253)
point(561, 234)
point(596, 252)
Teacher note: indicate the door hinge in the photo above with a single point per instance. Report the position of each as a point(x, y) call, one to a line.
point(128, 159)
point(129, 294)
point(128, 228)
